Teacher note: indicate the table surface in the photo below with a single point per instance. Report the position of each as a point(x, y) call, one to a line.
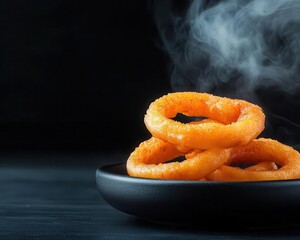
point(54, 196)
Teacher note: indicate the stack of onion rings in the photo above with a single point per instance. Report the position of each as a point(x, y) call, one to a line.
point(211, 146)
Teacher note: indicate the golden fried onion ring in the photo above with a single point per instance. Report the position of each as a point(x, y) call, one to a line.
point(235, 122)
point(148, 161)
point(260, 150)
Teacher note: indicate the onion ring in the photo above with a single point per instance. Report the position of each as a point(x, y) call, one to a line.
point(260, 150)
point(148, 161)
point(235, 122)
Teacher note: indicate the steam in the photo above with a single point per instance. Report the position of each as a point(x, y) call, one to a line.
point(238, 45)
point(234, 48)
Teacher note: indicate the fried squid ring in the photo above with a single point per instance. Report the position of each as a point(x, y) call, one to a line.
point(260, 150)
point(234, 122)
point(148, 161)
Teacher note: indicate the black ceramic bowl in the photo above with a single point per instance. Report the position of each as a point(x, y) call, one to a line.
point(194, 203)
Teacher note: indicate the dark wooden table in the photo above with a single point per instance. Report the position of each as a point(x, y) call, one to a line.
point(54, 196)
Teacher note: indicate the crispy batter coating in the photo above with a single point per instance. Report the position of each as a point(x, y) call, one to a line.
point(149, 160)
point(263, 166)
point(260, 150)
point(233, 122)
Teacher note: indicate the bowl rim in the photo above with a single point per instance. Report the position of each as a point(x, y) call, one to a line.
point(106, 171)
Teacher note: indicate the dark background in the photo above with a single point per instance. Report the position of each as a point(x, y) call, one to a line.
point(76, 78)
point(77, 75)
